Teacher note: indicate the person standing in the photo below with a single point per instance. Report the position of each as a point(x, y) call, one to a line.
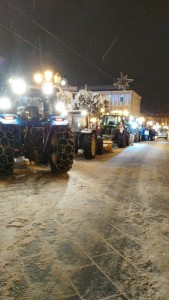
point(151, 134)
point(142, 133)
point(146, 134)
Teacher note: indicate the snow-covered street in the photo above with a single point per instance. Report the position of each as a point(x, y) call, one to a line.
point(100, 231)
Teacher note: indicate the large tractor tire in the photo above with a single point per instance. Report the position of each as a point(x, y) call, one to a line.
point(136, 137)
point(34, 140)
point(127, 139)
point(61, 152)
point(89, 146)
point(121, 142)
point(99, 146)
point(76, 145)
point(6, 152)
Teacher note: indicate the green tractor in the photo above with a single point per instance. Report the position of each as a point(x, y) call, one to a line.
point(114, 127)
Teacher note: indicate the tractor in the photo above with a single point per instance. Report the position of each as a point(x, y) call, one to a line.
point(30, 128)
point(85, 134)
point(114, 127)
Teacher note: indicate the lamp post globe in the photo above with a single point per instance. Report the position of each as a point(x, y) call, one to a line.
point(48, 75)
point(38, 78)
point(57, 79)
point(63, 82)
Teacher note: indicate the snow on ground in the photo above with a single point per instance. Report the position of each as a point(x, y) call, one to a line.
point(100, 231)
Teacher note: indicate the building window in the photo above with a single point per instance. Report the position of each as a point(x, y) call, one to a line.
point(121, 99)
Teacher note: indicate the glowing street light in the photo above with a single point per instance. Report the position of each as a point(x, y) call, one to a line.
point(93, 120)
point(47, 81)
point(102, 110)
point(38, 78)
point(48, 75)
point(63, 82)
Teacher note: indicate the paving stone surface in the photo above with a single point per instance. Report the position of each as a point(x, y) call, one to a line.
point(99, 232)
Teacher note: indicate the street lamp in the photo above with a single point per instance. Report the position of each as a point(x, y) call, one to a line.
point(38, 78)
point(50, 83)
point(48, 75)
point(63, 82)
point(45, 80)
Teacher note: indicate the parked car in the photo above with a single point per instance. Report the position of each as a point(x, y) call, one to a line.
point(162, 134)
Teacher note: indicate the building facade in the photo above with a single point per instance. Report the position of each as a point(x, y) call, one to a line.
point(119, 99)
point(123, 100)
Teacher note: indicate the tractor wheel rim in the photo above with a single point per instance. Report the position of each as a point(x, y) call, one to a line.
point(93, 146)
point(54, 157)
point(54, 143)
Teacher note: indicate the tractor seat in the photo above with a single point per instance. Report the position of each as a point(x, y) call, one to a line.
point(32, 112)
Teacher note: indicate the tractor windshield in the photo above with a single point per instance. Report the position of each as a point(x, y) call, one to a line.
point(110, 120)
point(76, 122)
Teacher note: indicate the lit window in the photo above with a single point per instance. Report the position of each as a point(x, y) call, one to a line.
point(121, 99)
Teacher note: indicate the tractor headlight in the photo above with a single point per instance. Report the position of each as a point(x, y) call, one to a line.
point(18, 86)
point(47, 88)
point(134, 125)
point(84, 113)
point(64, 113)
point(60, 107)
point(5, 103)
point(93, 120)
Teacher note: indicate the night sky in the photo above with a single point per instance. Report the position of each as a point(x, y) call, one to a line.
point(90, 42)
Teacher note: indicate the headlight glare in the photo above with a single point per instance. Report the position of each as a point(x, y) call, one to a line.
point(5, 103)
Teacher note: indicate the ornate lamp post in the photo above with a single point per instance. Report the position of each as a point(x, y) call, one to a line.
point(50, 83)
point(48, 78)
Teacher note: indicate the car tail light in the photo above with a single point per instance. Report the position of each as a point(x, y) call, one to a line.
point(58, 119)
point(9, 117)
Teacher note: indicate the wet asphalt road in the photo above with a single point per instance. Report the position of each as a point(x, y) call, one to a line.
point(99, 232)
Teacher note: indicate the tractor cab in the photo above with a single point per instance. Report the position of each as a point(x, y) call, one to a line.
point(114, 127)
point(78, 120)
point(83, 126)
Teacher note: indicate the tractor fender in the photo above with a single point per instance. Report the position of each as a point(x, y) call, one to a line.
point(57, 120)
point(88, 131)
point(9, 119)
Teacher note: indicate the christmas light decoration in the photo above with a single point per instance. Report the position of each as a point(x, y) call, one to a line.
point(122, 82)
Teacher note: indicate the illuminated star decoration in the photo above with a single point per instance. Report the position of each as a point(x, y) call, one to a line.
point(123, 81)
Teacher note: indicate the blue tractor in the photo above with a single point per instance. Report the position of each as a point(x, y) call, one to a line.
point(31, 128)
